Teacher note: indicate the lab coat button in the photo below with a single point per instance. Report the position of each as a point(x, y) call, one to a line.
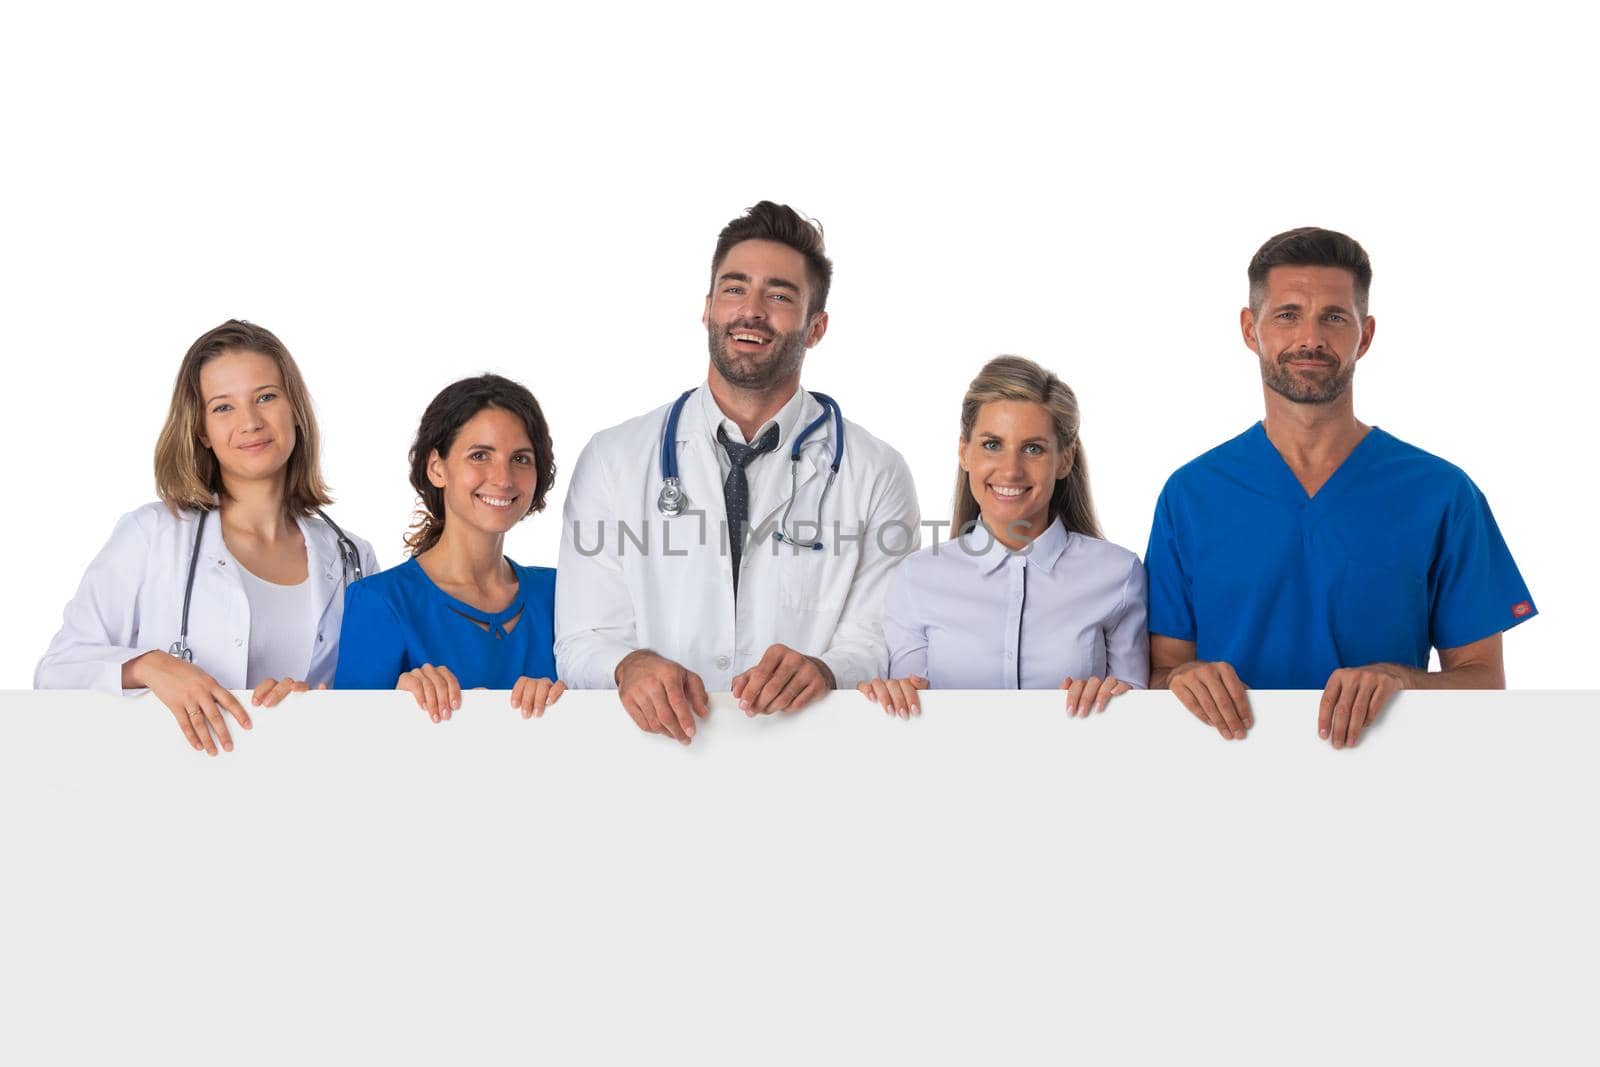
point(722, 663)
point(237, 641)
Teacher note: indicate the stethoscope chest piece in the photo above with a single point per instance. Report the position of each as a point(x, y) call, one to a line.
point(671, 500)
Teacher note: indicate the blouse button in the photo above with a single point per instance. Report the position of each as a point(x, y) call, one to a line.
point(237, 641)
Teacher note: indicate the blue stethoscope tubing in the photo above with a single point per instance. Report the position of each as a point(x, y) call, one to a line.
point(349, 563)
point(672, 500)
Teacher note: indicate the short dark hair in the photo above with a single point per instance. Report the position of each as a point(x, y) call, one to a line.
point(781, 223)
point(1310, 246)
point(452, 409)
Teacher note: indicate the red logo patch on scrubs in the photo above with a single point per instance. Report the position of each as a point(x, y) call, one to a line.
point(1521, 609)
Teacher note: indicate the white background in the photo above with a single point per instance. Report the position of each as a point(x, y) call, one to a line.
point(409, 193)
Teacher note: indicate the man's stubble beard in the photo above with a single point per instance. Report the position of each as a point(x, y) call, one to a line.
point(788, 351)
point(1283, 381)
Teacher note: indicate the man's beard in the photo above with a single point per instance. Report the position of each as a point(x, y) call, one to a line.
point(760, 371)
point(1304, 389)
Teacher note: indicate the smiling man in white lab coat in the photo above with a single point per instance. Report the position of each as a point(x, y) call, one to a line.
point(708, 544)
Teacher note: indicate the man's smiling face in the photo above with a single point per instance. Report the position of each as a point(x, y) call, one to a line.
point(757, 323)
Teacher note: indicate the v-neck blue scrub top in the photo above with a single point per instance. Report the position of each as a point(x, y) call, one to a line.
point(1395, 553)
point(397, 620)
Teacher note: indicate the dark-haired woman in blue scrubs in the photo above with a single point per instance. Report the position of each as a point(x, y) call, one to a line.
point(459, 614)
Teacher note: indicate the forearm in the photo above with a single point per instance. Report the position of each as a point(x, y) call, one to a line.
point(629, 660)
point(905, 662)
point(1160, 675)
point(850, 662)
point(97, 667)
point(827, 672)
point(590, 650)
point(590, 660)
point(1167, 656)
point(1461, 676)
point(135, 672)
point(858, 650)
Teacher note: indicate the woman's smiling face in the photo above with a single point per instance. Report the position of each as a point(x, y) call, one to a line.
point(249, 423)
point(1013, 461)
point(490, 475)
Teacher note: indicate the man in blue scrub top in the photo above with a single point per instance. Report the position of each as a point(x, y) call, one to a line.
point(1313, 551)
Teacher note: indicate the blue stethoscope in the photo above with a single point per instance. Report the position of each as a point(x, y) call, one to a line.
point(349, 565)
point(672, 501)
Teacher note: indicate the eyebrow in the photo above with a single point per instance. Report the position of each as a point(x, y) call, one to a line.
point(257, 389)
point(772, 283)
point(491, 448)
point(1340, 308)
point(992, 436)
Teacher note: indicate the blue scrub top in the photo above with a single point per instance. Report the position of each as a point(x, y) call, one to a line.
point(1398, 551)
point(397, 620)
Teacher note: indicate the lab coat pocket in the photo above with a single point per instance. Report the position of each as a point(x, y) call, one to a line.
point(813, 579)
point(805, 578)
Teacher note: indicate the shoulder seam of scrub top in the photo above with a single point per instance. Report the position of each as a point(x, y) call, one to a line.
point(371, 592)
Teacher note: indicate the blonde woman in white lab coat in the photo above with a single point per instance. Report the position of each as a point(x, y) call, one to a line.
point(235, 579)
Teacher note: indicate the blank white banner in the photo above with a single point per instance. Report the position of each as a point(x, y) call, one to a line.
point(990, 883)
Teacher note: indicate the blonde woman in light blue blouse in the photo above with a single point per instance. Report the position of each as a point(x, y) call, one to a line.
point(1029, 596)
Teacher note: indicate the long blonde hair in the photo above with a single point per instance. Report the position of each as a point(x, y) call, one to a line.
point(187, 474)
point(1015, 378)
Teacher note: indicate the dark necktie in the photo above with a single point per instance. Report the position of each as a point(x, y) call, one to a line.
point(736, 490)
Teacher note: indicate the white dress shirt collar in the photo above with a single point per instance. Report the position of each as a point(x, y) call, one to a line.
point(787, 418)
point(988, 554)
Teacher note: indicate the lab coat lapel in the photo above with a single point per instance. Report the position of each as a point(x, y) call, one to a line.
point(699, 468)
point(219, 587)
point(773, 493)
point(323, 569)
point(215, 559)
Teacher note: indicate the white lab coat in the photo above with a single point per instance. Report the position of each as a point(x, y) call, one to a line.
point(676, 596)
point(131, 602)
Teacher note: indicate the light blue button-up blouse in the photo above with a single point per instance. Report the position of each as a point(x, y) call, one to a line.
point(972, 614)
